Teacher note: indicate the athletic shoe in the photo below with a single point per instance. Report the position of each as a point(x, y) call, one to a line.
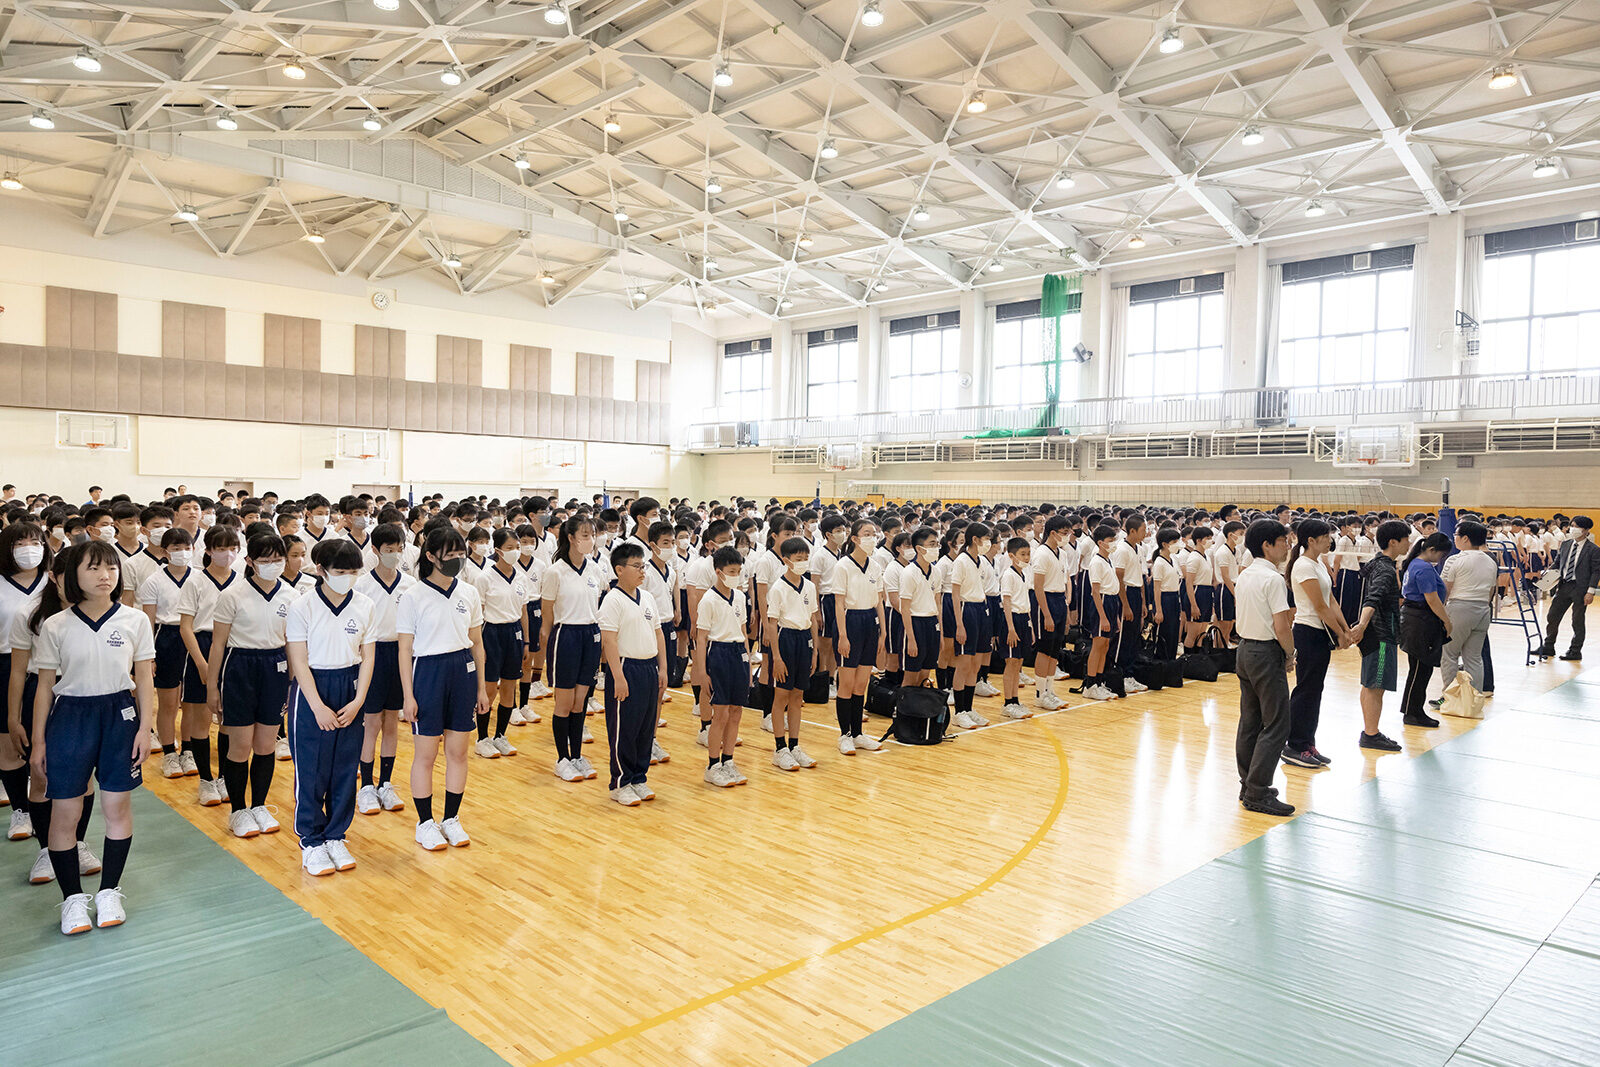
point(700, 739)
point(867, 744)
point(766, 723)
point(585, 766)
point(568, 771)
point(430, 837)
point(263, 817)
point(1130, 685)
point(42, 872)
point(588, 738)
point(108, 909)
point(316, 861)
point(1300, 758)
point(486, 749)
point(660, 722)
point(367, 800)
point(833, 691)
point(1015, 710)
point(658, 754)
point(950, 699)
point(1025, 679)
point(594, 707)
point(339, 856)
point(965, 720)
point(171, 765)
point(847, 745)
point(88, 862)
point(1420, 718)
point(539, 691)
point(190, 768)
point(666, 698)
point(644, 791)
point(1061, 674)
point(977, 717)
point(517, 717)
point(782, 760)
point(734, 772)
point(717, 776)
point(21, 826)
point(281, 751)
point(1436, 703)
point(625, 796)
point(1098, 692)
point(1049, 702)
point(75, 914)
point(1379, 742)
point(984, 689)
point(1320, 758)
point(529, 716)
point(803, 761)
point(242, 824)
point(221, 787)
point(389, 798)
point(1269, 806)
point(502, 746)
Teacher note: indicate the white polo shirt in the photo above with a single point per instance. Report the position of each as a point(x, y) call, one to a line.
point(313, 540)
point(858, 582)
point(1047, 563)
point(333, 636)
point(1223, 564)
point(200, 595)
point(1103, 577)
point(972, 575)
point(532, 568)
point(722, 616)
point(1259, 594)
point(385, 602)
point(137, 569)
point(917, 590)
point(636, 620)
point(662, 585)
point(790, 604)
point(823, 564)
point(1472, 575)
point(93, 657)
point(701, 573)
point(439, 620)
point(18, 601)
point(256, 617)
point(1164, 573)
point(1014, 589)
point(1126, 558)
point(164, 591)
point(574, 591)
point(504, 597)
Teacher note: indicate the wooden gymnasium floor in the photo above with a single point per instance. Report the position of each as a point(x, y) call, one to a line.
point(779, 922)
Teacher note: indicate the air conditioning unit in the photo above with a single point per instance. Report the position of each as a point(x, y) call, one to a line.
point(1185, 286)
point(827, 335)
point(1361, 261)
point(1586, 229)
point(745, 435)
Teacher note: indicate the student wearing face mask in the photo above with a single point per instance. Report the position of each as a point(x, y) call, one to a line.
point(248, 674)
point(356, 524)
point(532, 686)
point(151, 525)
point(158, 596)
point(832, 532)
point(791, 629)
point(763, 568)
point(969, 582)
point(315, 517)
point(856, 589)
point(504, 589)
point(480, 546)
point(572, 588)
point(383, 585)
point(918, 609)
point(196, 613)
point(24, 573)
point(699, 577)
point(900, 556)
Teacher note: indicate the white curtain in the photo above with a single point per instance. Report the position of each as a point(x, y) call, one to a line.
point(798, 374)
point(1121, 297)
point(1419, 311)
point(1472, 279)
point(1271, 372)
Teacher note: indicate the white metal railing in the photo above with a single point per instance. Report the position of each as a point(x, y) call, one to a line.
point(1451, 398)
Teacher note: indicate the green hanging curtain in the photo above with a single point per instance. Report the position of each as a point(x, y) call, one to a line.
point(1062, 295)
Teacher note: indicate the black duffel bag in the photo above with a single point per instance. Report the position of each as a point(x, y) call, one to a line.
point(920, 717)
point(881, 699)
point(1198, 666)
point(817, 688)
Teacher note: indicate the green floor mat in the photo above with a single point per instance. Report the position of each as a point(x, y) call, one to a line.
point(1547, 1017)
point(269, 981)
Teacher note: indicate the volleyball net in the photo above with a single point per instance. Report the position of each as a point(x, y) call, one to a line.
point(1341, 495)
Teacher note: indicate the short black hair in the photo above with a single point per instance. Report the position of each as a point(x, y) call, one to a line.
point(627, 550)
point(726, 557)
point(1263, 532)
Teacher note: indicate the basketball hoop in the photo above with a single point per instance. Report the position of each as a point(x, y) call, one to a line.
point(1370, 461)
point(94, 444)
point(367, 455)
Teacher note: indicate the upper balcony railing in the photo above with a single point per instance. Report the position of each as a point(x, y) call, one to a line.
point(1457, 398)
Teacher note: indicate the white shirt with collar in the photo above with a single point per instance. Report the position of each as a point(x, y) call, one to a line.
point(255, 617)
point(722, 616)
point(93, 657)
point(385, 602)
point(635, 619)
point(333, 636)
point(791, 604)
point(1260, 592)
point(439, 620)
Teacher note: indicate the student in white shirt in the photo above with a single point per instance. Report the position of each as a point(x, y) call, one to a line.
point(918, 609)
point(25, 563)
point(1319, 629)
point(532, 686)
point(383, 585)
point(137, 566)
point(329, 633)
point(1266, 655)
point(699, 576)
point(951, 545)
point(974, 636)
point(197, 605)
point(1348, 558)
point(663, 581)
point(1469, 577)
point(832, 533)
point(1226, 566)
point(440, 626)
point(316, 527)
point(856, 589)
point(1128, 562)
point(91, 721)
point(249, 680)
point(1050, 605)
point(721, 659)
point(634, 652)
point(1102, 610)
point(571, 590)
point(503, 586)
point(1199, 583)
point(791, 629)
point(1167, 599)
point(1017, 643)
point(762, 569)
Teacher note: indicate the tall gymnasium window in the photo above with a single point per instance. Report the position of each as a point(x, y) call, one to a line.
point(1540, 302)
point(831, 360)
point(1025, 367)
point(1175, 337)
point(1346, 320)
point(925, 361)
point(745, 392)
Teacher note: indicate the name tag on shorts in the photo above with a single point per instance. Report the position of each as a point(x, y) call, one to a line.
point(127, 714)
point(472, 668)
point(597, 637)
point(283, 668)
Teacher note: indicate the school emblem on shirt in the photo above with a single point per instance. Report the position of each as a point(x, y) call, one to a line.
point(350, 626)
point(461, 609)
point(114, 639)
point(649, 615)
point(283, 610)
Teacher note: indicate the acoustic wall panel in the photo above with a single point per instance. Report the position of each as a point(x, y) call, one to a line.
point(292, 342)
point(380, 352)
point(530, 369)
point(596, 375)
point(80, 318)
point(193, 331)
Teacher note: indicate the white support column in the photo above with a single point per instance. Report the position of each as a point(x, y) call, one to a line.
point(1247, 305)
point(1443, 261)
point(974, 349)
point(1094, 377)
point(779, 403)
point(870, 370)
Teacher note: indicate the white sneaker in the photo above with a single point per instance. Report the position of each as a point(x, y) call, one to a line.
point(977, 717)
point(700, 738)
point(539, 691)
point(430, 837)
point(1016, 711)
point(965, 720)
point(644, 791)
point(42, 872)
point(661, 722)
point(517, 718)
point(504, 747)
point(282, 750)
point(625, 796)
point(315, 861)
point(190, 768)
point(950, 699)
point(1098, 692)
point(389, 798)
point(782, 760)
point(1025, 679)
point(984, 689)
point(1131, 686)
point(486, 749)
point(171, 765)
point(88, 862)
point(221, 787)
point(263, 817)
point(367, 800)
point(339, 856)
point(734, 772)
point(594, 707)
point(568, 771)
point(658, 754)
point(75, 914)
point(1048, 701)
point(801, 759)
point(5, 798)
point(21, 826)
point(1061, 674)
point(766, 723)
point(718, 776)
point(867, 744)
point(588, 738)
point(242, 824)
point(585, 766)
point(108, 909)
point(847, 745)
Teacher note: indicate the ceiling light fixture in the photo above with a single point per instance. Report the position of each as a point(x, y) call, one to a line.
point(1545, 167)
point(872, 14)
point(11, 183)
point(40, 121)
point(315, 237)
point(372, 123)
point(804, 240)
point(1136, 241)
point(86, 60)
point(829, 149)
point(786, 303)
point(452, 261)
point(1315, 210)
point(619, 213)
point(635, 296)
point(451, 75)
point(995, 267)
point(555, 14)
point(712, 265)
point(723, 76)
point(713, 186)
point(1252, 135)
point(709, 305)
point(520, 161)
point(187, 213)
point(1503, 77)
point(547, 278)
point(977, 105)
point(227, 121)
point(880, 286)
point(612, 125)
point(386, 5)
point(1065, 181)
point(294, 71)
point(920, 214)
point(1171, 41)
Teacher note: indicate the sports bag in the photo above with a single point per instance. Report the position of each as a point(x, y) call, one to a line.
point(881, 699)
point(1198, 666)
point(1212, 644)
point(920, 717)
point(817, 688)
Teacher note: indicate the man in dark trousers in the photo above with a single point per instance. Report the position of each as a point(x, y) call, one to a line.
point(1578, 563)
point(1266, 655)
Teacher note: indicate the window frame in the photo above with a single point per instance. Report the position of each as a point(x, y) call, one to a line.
point(944, 382)
point(733, 402)
point(844, 336)
point(1367, 344)
point(1004, 316)
point(1538, 245)
point(1169, 296)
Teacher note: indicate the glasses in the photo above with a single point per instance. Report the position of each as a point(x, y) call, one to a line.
point(637, 564)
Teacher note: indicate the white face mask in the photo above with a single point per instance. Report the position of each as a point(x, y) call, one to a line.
point(317, 521)
point(734, 578)
point(928, 552)
point(224, 557)
point(391, 560)
point(58, 532)
point(28, 556)
point(207, 521)
point(157, 535)
point(269, 572)
point(510, 555)
point(527, 551)
point(180, 557)
point(361, 522)
point(868, 541)
point(106, 533)
point(339, 583)
point(906, 555)
point(799, 566)
point(683, 542)
point(480, 549)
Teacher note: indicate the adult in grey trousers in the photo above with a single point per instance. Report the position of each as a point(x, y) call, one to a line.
point(1469, 628)
point(1263, 716)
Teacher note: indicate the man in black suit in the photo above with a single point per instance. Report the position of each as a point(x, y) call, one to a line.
point(1578, 563)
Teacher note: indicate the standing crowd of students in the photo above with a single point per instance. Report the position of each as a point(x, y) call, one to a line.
point(310, 630)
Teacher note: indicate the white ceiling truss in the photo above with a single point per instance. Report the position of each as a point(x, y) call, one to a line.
point(1376, 110)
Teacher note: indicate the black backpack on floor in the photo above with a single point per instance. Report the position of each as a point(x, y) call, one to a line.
point(1197, 666)
point(920, 717)
point(1153, 672)
point(817, 688)
point(1212, 644)
point(882, 699)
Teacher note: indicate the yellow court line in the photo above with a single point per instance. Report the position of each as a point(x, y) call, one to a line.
point(744, 986)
